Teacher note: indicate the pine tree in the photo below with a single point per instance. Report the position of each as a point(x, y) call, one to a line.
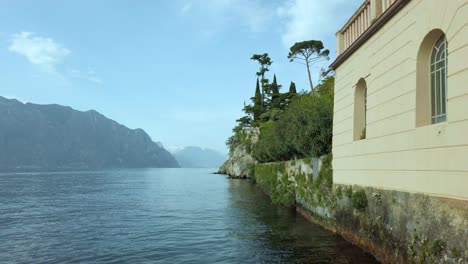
point(265, 61)
point(308, 52)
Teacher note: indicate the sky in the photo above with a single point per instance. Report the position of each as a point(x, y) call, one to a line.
point(179, 69)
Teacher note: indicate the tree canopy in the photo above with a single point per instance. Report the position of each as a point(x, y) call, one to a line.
point(292, 88)
point(308, 52)
point(292, 125)
point(304, 129)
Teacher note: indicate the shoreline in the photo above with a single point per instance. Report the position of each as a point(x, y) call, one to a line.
point(381, 257)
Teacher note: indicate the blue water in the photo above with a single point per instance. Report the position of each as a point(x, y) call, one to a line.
point(155, 216)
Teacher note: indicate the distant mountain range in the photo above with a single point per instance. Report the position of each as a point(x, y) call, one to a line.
point(196, 157)
point(53, 137)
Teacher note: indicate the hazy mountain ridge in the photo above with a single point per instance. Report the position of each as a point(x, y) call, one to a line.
point(196, 157)
point(54, 137)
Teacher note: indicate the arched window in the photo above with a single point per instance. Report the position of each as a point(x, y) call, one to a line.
point(360, 110)
point(439, 81)
point(431, 79)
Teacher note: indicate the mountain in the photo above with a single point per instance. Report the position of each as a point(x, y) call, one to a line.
point(196, 157)
point(53, 137)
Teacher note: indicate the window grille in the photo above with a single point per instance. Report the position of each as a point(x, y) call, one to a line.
point(439, 81)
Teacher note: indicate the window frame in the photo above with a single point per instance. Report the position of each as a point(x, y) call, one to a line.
point(438, 80)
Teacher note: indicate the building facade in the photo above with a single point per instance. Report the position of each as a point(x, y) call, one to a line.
point(401, 97)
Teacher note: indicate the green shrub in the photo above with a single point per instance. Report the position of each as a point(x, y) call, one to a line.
point(239, 138)
point(251, 169)
point(349, 192)
point(359, 200)
point(280, 189)
point(339, 192)
point(422, 251)
point(304, 129)
point(325, 175)
point(455, 252)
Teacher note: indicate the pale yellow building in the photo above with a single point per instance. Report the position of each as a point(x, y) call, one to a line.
point(401, 97)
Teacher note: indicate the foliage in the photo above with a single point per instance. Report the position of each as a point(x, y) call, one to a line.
point(323, 185)
point(239, 137)
point(275, 94)
point(291, 125)
point(267, 103)
point(265, 61)
point(280, 189)
point(292, 89)
point(244, 121)
point(421, 250)
point(257, 107)
point(304, 129)
point(359, 200)
point(325, 175)
point(349, 191)
point(308, 52)
point(377, 198)
point(339, 192)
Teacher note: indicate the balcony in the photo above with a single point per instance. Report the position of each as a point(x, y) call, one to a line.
point(362, 19)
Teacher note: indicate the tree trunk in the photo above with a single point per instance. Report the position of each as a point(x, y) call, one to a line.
point(310, 78)
point(263, 95)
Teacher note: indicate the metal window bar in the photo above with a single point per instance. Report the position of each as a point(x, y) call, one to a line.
point(439, 81)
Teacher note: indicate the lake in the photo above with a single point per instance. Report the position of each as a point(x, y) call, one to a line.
point(155, 216)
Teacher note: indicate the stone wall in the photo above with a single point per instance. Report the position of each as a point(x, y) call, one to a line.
point(395, 226)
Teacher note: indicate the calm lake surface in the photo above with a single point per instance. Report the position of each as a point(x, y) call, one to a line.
point(155, 216)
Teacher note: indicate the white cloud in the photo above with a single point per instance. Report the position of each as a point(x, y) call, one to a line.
point(48, 55)
point(313, 19)
point(44, 52)
point(296, 20)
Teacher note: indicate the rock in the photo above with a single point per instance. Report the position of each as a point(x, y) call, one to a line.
point(240, 162)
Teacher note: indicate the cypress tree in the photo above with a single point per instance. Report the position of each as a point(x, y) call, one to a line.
point(292, 89)
point(275, 87)
point(275, 96)
point(258, 94)
point(258, 104)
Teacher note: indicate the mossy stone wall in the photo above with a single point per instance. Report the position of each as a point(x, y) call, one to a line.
point(397, 227)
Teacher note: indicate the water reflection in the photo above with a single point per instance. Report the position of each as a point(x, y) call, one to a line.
point(282, 235)
point(155, 216)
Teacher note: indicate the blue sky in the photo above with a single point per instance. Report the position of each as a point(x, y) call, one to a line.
point(178, 69)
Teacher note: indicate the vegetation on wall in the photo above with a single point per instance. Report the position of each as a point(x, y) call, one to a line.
point(359, 200)
point(283, 181)
point(274, 180)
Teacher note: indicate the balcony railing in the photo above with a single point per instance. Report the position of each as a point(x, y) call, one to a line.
point(386, 4)
point(362, 19)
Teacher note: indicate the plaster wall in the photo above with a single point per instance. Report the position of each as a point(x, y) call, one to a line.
point(398, 154)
